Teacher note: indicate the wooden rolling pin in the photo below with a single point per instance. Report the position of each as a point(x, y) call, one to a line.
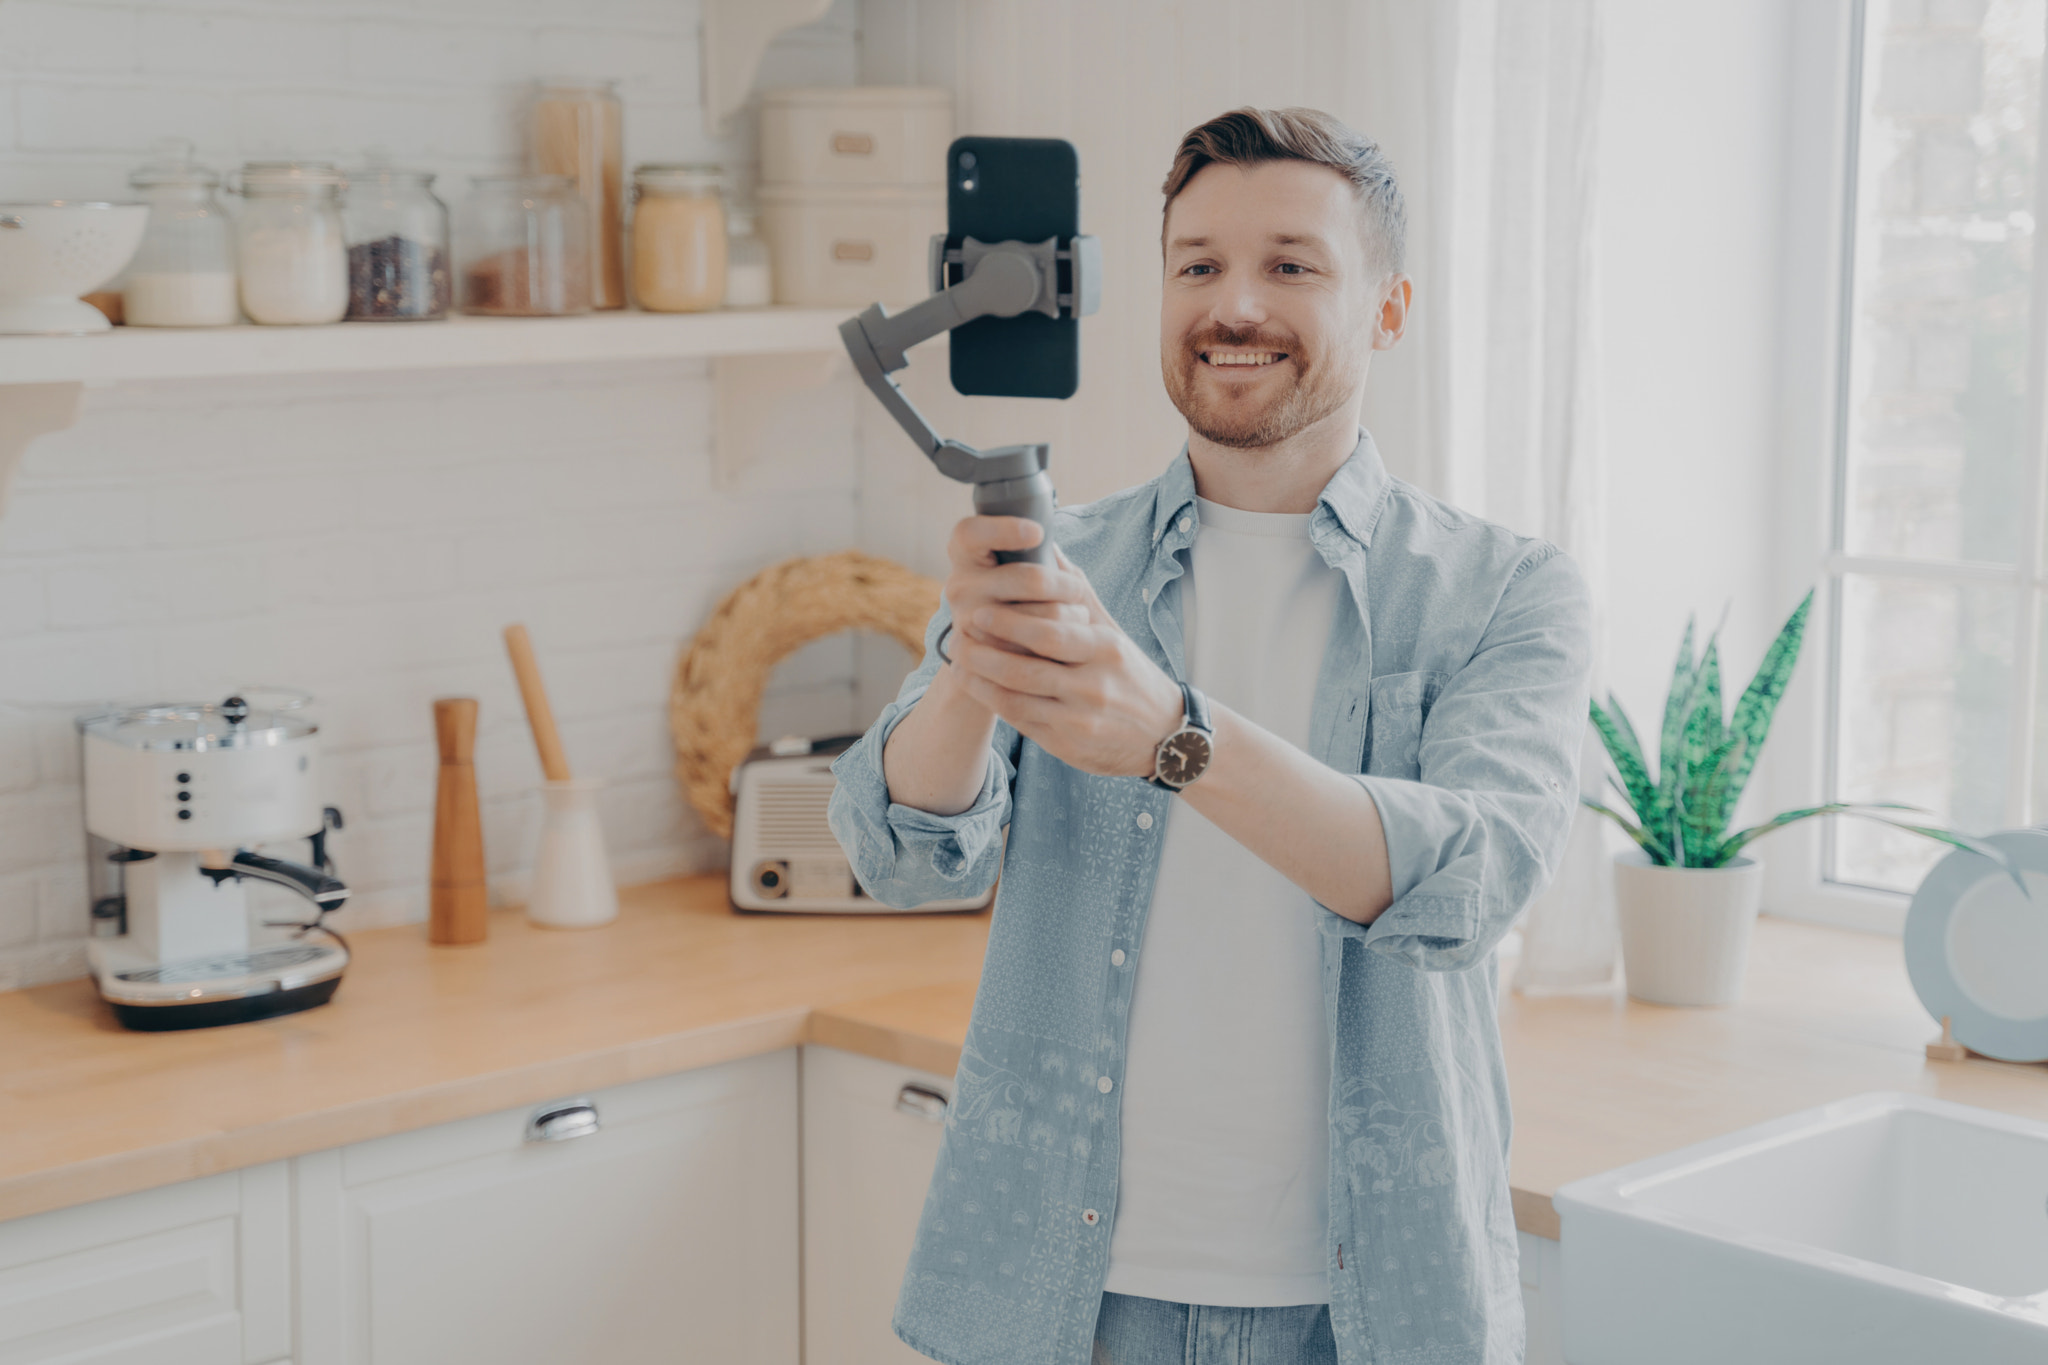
point(541, 716)
point(459, 896)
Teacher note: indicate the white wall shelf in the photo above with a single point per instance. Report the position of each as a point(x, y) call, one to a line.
point(141, 353)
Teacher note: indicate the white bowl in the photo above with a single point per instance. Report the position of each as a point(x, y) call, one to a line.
point(52, 252)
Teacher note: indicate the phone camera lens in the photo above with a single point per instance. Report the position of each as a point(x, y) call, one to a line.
point(967, 161)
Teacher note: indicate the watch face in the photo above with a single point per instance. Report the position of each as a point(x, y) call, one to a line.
point(1182, 757)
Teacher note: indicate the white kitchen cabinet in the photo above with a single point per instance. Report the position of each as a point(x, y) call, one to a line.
point(190, 1274)
point(867, 1160)
point(1543, 1298)
point(668, 1234)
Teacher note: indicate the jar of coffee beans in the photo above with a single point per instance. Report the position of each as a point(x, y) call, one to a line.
point(398, 268)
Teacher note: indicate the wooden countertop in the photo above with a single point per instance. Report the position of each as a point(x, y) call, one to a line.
point(422, 1035)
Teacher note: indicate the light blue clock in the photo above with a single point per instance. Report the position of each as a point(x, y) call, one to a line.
point(1977, 950)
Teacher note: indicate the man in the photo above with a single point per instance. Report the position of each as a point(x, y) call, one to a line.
point(1233, 1085)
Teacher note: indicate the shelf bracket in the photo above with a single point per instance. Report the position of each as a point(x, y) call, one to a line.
point(26, 412)
point(736, 34)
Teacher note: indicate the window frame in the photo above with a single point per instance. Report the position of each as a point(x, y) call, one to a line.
point(1817, 293)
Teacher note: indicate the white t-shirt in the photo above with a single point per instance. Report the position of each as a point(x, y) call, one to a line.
point(1223, 1193)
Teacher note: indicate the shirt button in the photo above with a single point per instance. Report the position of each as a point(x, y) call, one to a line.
point(1116, 958)
point(1186, 526)
point(1144, 819)
point(1144, 594)
point(1089, 1216)
point(1104, 1084)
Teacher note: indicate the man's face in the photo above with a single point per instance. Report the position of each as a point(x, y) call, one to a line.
point(1268, 317)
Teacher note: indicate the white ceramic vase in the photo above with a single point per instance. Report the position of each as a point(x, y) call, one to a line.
point(1685, 930)
point(572, 878)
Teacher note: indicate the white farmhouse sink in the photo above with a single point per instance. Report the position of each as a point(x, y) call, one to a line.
point(1883, 1228)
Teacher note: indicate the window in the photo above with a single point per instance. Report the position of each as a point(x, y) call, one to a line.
point(1935, 634)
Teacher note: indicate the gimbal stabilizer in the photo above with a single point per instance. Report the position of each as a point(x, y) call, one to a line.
point(1000, 279)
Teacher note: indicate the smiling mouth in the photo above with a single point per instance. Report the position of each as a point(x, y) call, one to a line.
point(1241, 360)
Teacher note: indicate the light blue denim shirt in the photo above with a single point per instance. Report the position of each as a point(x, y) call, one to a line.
point(1454, 686)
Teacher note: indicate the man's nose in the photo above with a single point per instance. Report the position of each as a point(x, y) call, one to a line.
point(1240, 303)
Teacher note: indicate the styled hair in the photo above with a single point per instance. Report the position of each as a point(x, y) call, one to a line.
point(1247, 137)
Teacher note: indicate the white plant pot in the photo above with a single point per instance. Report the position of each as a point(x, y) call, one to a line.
point(1685, 930)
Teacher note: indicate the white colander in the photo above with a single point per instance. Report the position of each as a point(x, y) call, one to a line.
point(51, 252)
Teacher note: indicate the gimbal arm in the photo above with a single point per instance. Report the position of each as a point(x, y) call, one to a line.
point(1000, 280)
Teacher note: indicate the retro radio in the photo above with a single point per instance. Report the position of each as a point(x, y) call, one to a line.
point(784, 856)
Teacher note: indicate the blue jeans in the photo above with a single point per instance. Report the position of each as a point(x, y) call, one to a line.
point(1134, 1331)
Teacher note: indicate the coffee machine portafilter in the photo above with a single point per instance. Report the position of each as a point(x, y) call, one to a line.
point(177, 800)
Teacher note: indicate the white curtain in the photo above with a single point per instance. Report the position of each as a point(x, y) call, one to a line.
point(1490, 110)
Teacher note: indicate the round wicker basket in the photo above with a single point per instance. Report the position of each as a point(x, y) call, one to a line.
point(714, 707)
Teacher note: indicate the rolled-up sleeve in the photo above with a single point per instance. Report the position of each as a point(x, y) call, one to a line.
point(1476, 840)
point(903, 856)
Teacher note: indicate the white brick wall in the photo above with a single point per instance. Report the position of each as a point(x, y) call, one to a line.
point(366, 537)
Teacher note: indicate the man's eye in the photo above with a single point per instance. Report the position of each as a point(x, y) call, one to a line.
point(1291, 268)
point(1199, 269)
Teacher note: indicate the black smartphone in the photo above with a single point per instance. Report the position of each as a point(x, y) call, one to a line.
point(1015, 189)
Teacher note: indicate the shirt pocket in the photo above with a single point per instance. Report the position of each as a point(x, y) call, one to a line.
point(1395, 712)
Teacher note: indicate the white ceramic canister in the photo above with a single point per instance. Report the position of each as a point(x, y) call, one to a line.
point(1685, 931)
point(834, 247)
point(862, 135)
point(291, 244)
point(572, 877)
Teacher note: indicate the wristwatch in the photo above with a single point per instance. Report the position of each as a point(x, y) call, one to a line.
point(1184, 755)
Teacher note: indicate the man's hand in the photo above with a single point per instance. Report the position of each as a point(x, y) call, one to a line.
point(976, 581)
point(1067, 678)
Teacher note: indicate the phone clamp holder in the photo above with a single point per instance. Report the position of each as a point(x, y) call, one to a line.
point(1001, 280)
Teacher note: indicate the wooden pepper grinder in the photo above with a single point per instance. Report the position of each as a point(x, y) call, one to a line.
point(459, 902)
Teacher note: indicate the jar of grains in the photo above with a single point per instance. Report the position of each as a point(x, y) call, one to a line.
point(678, 238)
point(521, 247)
point(397, 245)
point(291, 249)
point(183, 274)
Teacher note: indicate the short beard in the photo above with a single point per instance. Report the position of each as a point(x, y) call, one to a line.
point(1315, 393)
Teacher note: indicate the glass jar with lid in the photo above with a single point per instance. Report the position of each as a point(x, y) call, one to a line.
point(290, 245)
point(183, 274)
point(678, 238)
point(397, 245)
point(521, 247)
point(749, 282)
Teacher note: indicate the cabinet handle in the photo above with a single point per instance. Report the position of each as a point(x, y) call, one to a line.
point(561, 1122)
point(922, 1101)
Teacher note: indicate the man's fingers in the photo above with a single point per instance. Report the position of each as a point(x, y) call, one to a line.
point(1031, 716)
point(1022, 673)
point(1023, 581)
point(1096, 611)
point(976, 539)
point(1056, 639)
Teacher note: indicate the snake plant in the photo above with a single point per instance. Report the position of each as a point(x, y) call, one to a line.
point(1683, 809)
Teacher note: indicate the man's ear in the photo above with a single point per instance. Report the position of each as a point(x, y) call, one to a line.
point(1391, 321)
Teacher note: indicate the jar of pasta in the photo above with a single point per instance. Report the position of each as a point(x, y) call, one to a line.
point(678, 238)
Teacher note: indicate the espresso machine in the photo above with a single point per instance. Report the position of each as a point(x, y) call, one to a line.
point(177, 800)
